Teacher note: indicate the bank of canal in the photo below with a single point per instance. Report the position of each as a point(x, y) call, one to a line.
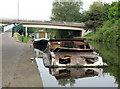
point(84, 77)
point(17, 68)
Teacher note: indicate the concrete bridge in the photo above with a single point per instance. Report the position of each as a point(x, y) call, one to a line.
point(47, 24)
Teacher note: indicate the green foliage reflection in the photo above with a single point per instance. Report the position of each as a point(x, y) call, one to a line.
point(110, 54)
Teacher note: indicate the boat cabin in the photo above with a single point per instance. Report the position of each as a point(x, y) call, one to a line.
point(41, 38)
point(41, 34)
point(69, 46)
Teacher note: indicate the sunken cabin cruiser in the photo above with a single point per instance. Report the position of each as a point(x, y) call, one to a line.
point(71, 53)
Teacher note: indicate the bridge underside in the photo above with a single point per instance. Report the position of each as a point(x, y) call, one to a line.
point(49, 25)
point(54, 27)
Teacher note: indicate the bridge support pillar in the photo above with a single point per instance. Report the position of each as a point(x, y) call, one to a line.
point(26, 31)
point(83, 31)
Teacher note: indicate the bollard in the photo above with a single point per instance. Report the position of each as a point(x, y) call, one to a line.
point(22, 37)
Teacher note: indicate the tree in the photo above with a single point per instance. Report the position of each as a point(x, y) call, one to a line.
point(95, 16)
point(113, 11)
point(69, 10)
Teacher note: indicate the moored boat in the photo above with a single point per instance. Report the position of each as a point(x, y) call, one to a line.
point(41, 38)
point(72, 53)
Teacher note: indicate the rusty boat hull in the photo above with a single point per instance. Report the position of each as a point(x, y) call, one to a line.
point(71, 54)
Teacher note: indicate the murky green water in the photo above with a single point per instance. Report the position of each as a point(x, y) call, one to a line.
point(111, 55)
point(85, 77)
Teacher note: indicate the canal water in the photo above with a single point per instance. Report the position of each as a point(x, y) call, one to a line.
point(83, 77)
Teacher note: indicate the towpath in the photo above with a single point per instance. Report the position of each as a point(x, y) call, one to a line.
point(17, 68)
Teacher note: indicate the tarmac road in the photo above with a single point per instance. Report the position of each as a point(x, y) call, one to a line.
point(17, 69)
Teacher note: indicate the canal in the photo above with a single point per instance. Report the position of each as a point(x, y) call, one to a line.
point(83, 77)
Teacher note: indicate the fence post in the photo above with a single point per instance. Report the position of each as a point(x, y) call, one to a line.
point(2, 28)
point(13, 31)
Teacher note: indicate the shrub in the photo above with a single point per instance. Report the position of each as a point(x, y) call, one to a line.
point(108, 33)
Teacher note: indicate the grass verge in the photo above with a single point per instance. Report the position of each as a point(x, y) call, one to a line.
point(26, 39)
point(88, 36)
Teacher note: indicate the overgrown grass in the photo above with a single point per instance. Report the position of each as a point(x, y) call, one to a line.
point(88, 36)
point(26, 39)
point(83, 37)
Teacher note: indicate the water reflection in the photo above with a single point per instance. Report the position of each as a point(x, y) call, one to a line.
point(110, 53)
point(68, 75)
point(82, 77)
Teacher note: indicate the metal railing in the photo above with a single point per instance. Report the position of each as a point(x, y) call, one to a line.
point(17, 28)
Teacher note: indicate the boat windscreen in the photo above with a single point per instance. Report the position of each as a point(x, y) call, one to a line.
point(71, 50)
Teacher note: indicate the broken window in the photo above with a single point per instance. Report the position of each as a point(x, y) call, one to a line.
point(65, 60)
point(91, 60)
point(81, 46)
point(64, 71)
point(87, 47)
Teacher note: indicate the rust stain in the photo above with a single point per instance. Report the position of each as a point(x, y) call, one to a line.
point(56, 74)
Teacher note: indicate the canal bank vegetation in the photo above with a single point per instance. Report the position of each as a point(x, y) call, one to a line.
point(104, 21)
point(88, 36)
point(108, 33)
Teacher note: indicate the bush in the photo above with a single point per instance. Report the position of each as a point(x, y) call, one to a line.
point(108, 33)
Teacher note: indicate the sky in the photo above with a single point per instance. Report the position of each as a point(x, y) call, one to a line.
point(33, 9)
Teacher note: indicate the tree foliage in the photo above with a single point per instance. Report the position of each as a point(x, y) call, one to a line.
point(95, 16)
point(110, 31)
point(113, 11)
point(67, 10)
point(104, 20)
